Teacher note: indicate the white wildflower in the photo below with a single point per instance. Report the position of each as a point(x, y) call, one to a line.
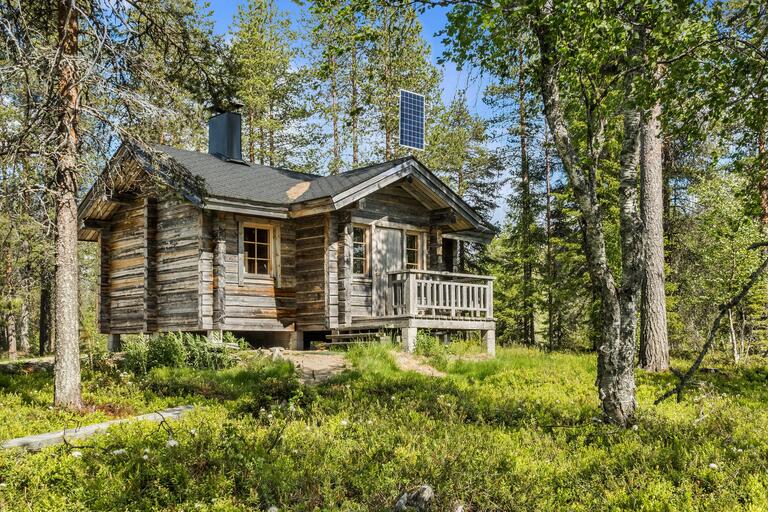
point(146, 450)
point(635, 427)
point(3, 485)
point(269, 416)
point(145, 457)
point(77, 454)
point(193, 431)
point(272, 509)
point(344, 423)
point(119, 451)
point(712, 465)
point(172, 443)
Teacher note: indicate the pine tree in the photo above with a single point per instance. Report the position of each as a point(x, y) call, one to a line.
point(268, 84)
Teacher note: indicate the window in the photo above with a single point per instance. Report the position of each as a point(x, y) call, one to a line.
point(412, 256)
point(257, 251)
point(360, 250)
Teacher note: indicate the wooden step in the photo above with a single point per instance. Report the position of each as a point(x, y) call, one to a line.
point(351, 336)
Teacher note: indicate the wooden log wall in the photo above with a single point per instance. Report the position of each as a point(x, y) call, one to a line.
point(105, 239)
point(150, 265)
point(332, 272)
point(311, 276)
point(242, 302)
point(126, 255)
point(178, 274)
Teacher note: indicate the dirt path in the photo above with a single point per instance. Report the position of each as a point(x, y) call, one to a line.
point(413, 363)
point(317, 367)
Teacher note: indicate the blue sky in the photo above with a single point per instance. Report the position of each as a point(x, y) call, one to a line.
point(433, 20)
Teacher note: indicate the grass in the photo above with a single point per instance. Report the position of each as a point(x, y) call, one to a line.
point(516, 433)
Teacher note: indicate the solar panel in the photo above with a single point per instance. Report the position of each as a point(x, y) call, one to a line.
point(411, 120)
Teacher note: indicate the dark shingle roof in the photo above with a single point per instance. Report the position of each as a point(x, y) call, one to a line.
point(262, 184)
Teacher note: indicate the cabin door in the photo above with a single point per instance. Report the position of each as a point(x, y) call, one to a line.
point(388, 257)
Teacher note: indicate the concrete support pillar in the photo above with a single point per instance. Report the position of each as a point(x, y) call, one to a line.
point(113, 343)
point(489, 337)
point(409, 339)
point(296, 340)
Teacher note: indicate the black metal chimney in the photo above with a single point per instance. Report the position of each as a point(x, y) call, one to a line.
point(224, 136)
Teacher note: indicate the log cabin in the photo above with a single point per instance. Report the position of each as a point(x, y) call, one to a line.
point(208, 243)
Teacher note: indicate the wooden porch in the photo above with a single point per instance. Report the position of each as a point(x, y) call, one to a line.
point(430, 299)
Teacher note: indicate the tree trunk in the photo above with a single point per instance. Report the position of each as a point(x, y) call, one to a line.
point(354, 114)
point(762, 162)
point(616, 346)
point(10, 334)
point(526, 217)
point(618, 361)
point(262, 145)
point(251, 135)
point(732, 336)
point(654, 345)
point(24, 326)
point(336, 163)
point(272, 160)
point(45, 318)
point(66, 378)
point(549, 261)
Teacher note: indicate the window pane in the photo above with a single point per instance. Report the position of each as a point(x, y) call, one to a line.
point(250, 266)
point(262, 235)
point(249, 234)
point(358, 266)
point(263, 267)
point(411, 257)
point(411, 241)
point(358, 251)
point(262, 251)
point(250, 251)
point(358, 235)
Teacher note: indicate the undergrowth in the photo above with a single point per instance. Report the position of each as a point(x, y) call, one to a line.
point(520, 432)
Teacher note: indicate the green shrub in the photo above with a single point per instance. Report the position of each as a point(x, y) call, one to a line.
point(136, 349)
point(204, 355)
point(230, 338)
point(175, 350)
point(428, 345)
point(167, 350)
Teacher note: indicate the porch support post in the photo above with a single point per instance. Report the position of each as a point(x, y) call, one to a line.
point(435, 248)
point(113, 343)
point(489, 337)
point(409, 339)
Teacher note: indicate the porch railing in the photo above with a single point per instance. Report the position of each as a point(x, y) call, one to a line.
point(430, 293)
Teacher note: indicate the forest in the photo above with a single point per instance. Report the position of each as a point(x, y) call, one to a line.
point(618, 146)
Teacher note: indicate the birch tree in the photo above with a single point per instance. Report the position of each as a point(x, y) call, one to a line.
point(590, 59)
